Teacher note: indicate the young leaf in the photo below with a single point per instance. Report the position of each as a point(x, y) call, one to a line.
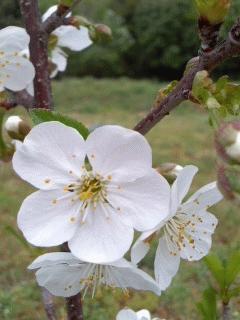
point(216, 267)
point(232, 268)
point(40, 115)
point(234, 292)
point(208, 306)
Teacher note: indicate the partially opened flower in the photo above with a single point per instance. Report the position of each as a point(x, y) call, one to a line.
point(12, 65)
point(128, 314)
point(65, 37)
point(65, 275)
point(186, 232)
point(96, 204)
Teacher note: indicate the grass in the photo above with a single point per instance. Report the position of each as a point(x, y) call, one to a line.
point(184, 137)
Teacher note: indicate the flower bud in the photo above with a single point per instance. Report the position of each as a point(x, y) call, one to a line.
point(227, 141)
point(214, 11)
point(100, 33)
point(170, 171)
point(229, 182)
point(17, 128)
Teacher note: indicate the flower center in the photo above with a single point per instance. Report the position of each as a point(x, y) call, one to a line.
point(91, 189)
point(179, 232)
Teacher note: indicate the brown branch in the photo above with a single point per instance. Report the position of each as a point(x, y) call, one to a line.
point(38, 52)
point(19, 98)
point(48, 304)
point(207, 61)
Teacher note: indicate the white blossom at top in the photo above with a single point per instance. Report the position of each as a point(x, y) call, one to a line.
point(66, 37)
point(12, 65)
point(185, 233)
point(65, 275)
point(128, 314)
point(94, 205)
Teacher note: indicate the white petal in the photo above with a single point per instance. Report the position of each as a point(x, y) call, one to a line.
point(101, 239)
point(143, 315)
point(61, 280)
point(205, 224)
point(53, 258)
point(181, 186)
point(143, 203)
point(126, 314)
point(141, 247)
point(13, 39)
point(72, 38)
point(52, 154)
point(30, 89)
point(49, 12)
point(165, 265)
point(59, 58)
point(46, 223)
point(205, 197)
point(129, 276)
point(12, 73)
point(122, 153)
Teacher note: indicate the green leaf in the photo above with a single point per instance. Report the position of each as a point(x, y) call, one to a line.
point(208, 306)
point(232, 268)
point(216, 268)
point(39, 115)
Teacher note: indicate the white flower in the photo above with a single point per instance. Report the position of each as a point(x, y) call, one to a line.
point(12, 65)
point(66, 37)
point(12, 124)
point(186, 233)
point(65, 275)
point(95, 209)
point(128, 314)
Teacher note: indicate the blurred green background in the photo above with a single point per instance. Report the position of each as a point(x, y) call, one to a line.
point(151, 39)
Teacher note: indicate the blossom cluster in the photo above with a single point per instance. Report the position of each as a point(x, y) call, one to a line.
point(93, 194)
point(14, 53)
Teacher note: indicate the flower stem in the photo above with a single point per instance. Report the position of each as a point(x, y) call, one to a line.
point(226, 315)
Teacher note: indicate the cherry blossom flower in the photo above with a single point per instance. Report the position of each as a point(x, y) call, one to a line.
point(64, 275)
point(185, 233)
point(128, 314)
point(95, 203)
point(12, 65)
point(65, 37)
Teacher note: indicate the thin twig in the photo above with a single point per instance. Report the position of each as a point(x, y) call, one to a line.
point(48, 304)
point(207, 61)
point(38, 53)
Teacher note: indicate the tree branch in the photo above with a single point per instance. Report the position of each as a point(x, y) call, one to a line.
point(207, 61)
point(38, 53)
point(48, 304)
point(22, 98)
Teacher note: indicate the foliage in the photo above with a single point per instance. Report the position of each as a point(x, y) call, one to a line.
point(221, 98)
point(10, 13)
point(39, 116)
